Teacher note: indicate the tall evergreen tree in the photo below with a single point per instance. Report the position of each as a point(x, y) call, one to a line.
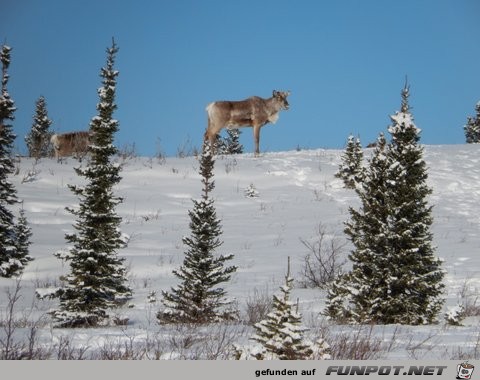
point(38, 140)
point(281, 332)
point(351, 167)
point(12, 260)
point(8, 194)
point(97, 280)
point(416, 281)
point(199, 298)
point(395, 277)
point(367, 231)
point(472, 128)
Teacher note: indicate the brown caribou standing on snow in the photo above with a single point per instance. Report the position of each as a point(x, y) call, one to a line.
point(253, 112)
point(71, 143)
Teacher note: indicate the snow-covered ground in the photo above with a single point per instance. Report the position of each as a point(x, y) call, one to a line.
point(297, 192)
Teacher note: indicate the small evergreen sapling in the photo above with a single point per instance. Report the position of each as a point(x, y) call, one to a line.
point(229, 144)
point(351, 169)
point(38, 140)
point(472, 128)
point(198, 298)
point(251, 191)
point(232, 142)
point(24, 232)
point(97, 278)
point(455, 315)
point(281, 333)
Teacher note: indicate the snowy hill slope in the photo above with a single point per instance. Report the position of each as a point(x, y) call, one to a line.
point(297, 191)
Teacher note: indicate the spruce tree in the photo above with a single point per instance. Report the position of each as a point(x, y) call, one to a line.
point(199, 298)
point(12, 260)
point(229, 144)
point(281, 332)
point(472, 128)
point(8, 194)
point(220, 144)
point(395, 277)
point(23, 234)
point(38, 140)
point(351, 169)
point(232, 142)
point(366, 230)
point(415, 285)
point(97, 279)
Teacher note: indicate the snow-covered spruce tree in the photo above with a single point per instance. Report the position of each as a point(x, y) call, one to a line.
point(12, 259)
point(8, 195)
point(220, 144)
point(395, 277)
point(352, 296)
point(232, 142)
point(38, 140)
point(281, 332)
point(415, 285)
point(198, 298)
point(351, 167)
point(23, 234)
point(472, 128)
point(97, 278)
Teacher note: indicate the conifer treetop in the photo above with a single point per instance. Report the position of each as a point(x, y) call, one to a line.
point(405, 108)
point(403, 125)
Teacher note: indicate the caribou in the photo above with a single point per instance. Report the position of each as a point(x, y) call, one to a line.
point(253, 112)
point(71, 143)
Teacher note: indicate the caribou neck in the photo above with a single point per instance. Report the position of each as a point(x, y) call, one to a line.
point(274, 106)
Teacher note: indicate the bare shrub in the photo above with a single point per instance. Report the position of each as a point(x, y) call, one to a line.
point(220, 338)
point(469, 299)
point(356, 346)
point(418, 349)
point(187, 149)
point(359, 342)
point(65, 350)
point(209, 342)
point(467, 306)
point(159, 153)
point(324, 261)
point(121, 349)
point(230, 165)
point(32, 174)
point(184, 338)
point(152, 215)
point(127, 152)
point(467, 351)
point(258, 306)
point(19, 334)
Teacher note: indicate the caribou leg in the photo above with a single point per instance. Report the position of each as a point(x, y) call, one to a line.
point(256, 136)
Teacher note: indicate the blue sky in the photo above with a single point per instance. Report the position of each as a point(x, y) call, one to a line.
point(345, 62)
